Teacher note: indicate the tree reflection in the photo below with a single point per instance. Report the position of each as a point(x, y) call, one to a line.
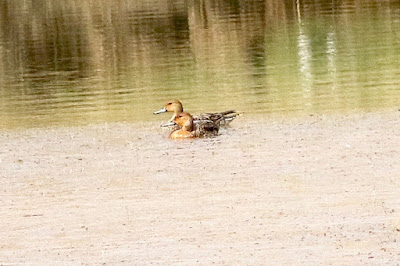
point(52, 47)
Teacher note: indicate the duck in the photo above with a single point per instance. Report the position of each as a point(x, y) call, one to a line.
point(186, 127)
point(206, 120)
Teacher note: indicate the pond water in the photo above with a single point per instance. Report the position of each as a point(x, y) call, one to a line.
point(92, 61)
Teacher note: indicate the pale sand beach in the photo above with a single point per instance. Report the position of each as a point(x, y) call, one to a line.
point(275, 191)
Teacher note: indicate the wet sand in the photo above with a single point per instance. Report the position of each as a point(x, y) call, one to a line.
point(310, 190)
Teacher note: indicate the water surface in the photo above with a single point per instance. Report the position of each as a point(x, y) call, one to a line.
point(79, 62)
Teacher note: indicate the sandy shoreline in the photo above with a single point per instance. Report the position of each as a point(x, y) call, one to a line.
point(311, 190)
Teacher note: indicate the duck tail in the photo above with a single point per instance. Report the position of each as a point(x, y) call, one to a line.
point(228, 112)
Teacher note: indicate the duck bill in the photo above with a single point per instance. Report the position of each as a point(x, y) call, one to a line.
point(160, 111)
point(169, 124)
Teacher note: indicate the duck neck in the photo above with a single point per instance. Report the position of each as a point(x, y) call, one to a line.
point(188, 126)
point(178, 111)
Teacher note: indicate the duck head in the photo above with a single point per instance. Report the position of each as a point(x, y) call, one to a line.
point(173, 106)
point(185, 121)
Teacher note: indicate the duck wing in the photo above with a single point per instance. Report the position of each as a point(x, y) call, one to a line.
point(221, 119)
point(206, 128)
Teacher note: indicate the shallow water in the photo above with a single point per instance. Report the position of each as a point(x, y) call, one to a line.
point(306, 190)
point(79, 62)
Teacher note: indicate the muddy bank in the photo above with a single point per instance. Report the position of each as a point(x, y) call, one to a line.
point(322, 189)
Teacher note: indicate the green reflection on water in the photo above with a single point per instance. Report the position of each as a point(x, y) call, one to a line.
point(80, 62)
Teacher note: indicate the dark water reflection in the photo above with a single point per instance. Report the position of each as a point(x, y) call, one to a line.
point(71, 62)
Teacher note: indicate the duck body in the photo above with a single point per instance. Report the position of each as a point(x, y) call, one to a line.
point(181, 134)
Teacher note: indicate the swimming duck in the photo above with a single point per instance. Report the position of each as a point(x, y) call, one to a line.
point(185, 122)
point(206, 119)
